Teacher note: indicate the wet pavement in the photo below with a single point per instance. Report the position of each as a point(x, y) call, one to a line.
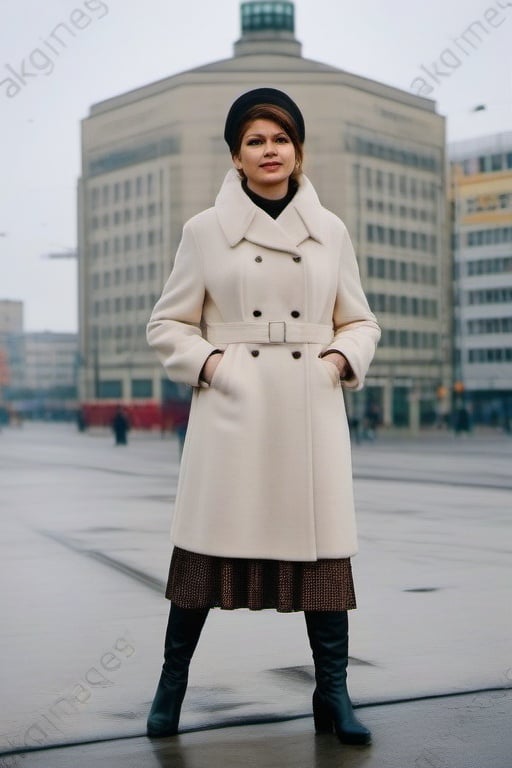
point(84, 557)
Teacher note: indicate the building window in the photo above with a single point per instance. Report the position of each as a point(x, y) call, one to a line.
point(496, 162)
point(142, 388)
point(139, 186)
point(127, 189)
point(110, 390)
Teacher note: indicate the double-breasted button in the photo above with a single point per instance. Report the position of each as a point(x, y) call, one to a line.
point(296, 355)
point(257, 313)
point(295, 313)
point(297, 259)
point(255, 352)
point(258, 259)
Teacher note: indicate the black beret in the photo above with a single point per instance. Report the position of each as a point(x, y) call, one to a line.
point(254, 98)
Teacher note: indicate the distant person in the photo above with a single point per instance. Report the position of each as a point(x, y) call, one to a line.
point(120, 427)
point(81, 421)
point(462, 420)
point(265, 317)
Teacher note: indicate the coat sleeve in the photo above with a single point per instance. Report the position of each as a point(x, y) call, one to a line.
point(174, 326)
point(356, 331)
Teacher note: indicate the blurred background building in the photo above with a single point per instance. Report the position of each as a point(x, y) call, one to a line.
point(155, 156)
point(11, 369)
point(38, 371)
point(481, 193)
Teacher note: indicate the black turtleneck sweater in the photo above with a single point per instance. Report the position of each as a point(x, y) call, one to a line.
point(272, 207)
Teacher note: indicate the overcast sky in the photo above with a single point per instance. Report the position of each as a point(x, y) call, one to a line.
point(121, 44)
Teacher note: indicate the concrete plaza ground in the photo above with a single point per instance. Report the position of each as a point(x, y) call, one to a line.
point(84, 554)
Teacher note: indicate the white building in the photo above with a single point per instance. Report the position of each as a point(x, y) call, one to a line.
point(50, 362)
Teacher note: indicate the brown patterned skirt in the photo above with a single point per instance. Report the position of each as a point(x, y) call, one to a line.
point(204, 581)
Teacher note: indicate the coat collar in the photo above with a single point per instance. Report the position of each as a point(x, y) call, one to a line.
point(240, 218)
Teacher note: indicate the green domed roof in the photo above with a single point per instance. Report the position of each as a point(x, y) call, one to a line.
point(264, 16)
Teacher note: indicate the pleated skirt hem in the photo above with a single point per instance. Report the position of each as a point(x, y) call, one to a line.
point(204, 581)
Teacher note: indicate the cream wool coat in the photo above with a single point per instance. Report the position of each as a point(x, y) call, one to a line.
point(266, 469)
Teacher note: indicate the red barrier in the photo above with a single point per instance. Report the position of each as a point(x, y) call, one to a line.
point(142, 415)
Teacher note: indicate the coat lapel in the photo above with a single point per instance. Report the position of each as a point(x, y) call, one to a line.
point(241, 219)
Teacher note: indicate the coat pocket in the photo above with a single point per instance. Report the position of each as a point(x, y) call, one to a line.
point(331, 369)
point(217, 374)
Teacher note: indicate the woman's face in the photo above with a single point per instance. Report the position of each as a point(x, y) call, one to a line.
point(267, 157)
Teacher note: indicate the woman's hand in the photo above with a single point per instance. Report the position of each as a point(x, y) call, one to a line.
point(210, 366)
point(340, 362)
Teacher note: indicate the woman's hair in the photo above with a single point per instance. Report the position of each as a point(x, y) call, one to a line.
point(283, 120)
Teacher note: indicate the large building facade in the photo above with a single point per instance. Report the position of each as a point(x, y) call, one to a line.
point(155, 156)
point(481, 192)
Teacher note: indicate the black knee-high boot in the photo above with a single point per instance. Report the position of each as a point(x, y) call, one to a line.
point(183, 630)
point(332, 708)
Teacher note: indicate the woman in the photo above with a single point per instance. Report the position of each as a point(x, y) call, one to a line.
point(264, 315)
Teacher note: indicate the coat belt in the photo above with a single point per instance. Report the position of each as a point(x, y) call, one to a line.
point(275, 332)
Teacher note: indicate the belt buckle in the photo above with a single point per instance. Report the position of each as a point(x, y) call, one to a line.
point(277, 332)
